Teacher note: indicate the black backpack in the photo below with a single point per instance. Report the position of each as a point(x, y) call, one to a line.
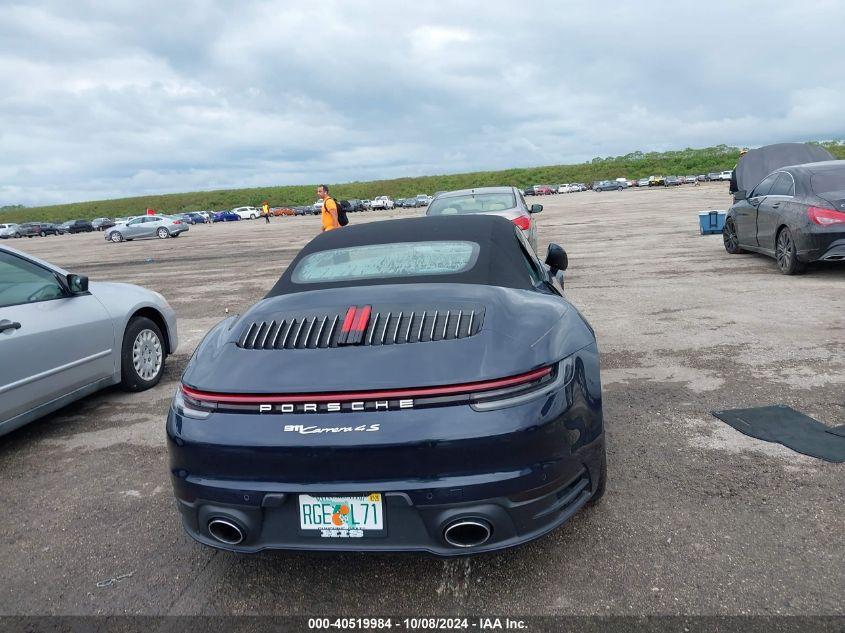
point(342, 206)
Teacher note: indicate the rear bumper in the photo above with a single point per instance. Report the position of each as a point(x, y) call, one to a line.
point(415, 516)
point(821, 245)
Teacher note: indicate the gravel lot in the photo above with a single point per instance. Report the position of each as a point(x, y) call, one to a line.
point(697, 519)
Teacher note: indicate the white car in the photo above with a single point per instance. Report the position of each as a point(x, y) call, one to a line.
point(726, 175)
point(247, 213)
point(9, 230)
point(382, 202)
point(423, 199)
point(317, 206)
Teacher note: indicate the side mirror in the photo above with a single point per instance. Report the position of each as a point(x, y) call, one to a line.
point(535, 208)
point(78, 284)
point(740, 195)
point(556, 259)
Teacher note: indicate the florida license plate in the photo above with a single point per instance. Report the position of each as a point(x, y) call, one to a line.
point(342, 517)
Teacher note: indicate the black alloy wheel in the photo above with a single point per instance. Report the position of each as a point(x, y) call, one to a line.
point(786, 255)
point(729, 237)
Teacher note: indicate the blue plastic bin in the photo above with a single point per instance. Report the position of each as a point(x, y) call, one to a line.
point(711, 221)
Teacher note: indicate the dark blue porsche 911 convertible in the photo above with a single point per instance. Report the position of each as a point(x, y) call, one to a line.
point(407, 385)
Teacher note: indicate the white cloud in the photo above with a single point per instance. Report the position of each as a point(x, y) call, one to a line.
point(128, 98)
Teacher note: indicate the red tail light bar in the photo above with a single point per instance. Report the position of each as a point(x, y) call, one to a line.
point(387, 394)
point(825, 217)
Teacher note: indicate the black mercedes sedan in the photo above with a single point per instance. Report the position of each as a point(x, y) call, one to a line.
point(796, 215)
point(417, 384)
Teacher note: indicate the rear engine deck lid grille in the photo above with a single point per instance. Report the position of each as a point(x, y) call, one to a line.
point(363, 326)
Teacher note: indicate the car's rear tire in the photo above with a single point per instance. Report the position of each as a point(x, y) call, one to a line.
point(142, 355)
point(163, 233)
point(252, 216)
point(730, 238)
point(116, 237)
point(17, 235)
point(43, 234)
point(786, 253)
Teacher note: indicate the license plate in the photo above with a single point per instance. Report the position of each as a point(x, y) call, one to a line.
point(341, 517)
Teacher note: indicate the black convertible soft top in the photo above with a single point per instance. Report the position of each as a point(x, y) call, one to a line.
point(500, 260)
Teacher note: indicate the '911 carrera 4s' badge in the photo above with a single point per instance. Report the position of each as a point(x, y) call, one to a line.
point(308, 430)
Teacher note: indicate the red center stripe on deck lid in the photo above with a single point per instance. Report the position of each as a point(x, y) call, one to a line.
point(361, 319)
point(347, 320)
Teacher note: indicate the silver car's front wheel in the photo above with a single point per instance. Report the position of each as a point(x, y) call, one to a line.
point(116, 237)
point(146, 354)
point(143, 354)
point(163, 233)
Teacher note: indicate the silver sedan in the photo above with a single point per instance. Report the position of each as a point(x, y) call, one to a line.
point(62, 338)
point(160, 226)
point(506, 202)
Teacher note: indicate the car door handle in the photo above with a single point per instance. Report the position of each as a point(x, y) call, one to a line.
point(9, 325)
point(775, 205)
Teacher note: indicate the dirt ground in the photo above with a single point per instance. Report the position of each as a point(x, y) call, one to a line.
point(697, 519)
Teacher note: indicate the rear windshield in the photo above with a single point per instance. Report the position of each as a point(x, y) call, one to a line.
point(828, 181)
point(472, 203)
point(401, 259)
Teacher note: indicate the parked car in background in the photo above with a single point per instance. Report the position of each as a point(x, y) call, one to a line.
point(69, 338)
point(796, 215)
point(101, 224)
point(355, 205)
point(690, 180)
point(528, 191)
point(247, 213)
point(410, 203)
point(281, 211)
point(303, 210)
point(225, 216)
point(712, 176)
point(701, 177)
point(672, 181)
point(656, 181)
point(367, 204)
point(76, 226)
point(48, 228)
point(195, 217)
point(423, 199)
point(29, 229)
point(642, 182)
point(506, 202)
point(607, 185)
point(382, 202)
point(398, 202)
point(543, 190)
point(726, 175)
point(9, 230)
point(160, 226)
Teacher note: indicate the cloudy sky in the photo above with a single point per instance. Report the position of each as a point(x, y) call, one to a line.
point(118, 98)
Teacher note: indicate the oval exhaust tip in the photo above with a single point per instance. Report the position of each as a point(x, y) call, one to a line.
point(225, 531)
point(467, 533)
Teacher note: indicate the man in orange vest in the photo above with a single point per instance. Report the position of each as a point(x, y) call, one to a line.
point(329, 215)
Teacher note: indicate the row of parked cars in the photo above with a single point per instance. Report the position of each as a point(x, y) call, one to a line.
point(43, 229)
